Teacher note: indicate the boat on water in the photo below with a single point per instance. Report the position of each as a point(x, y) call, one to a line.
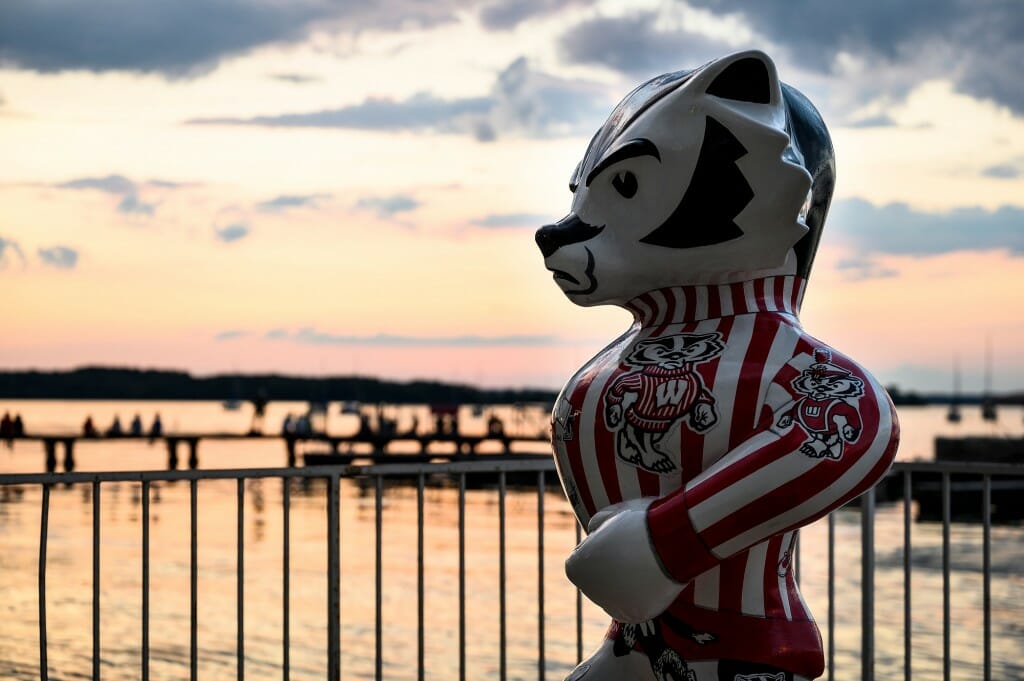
point(953, 415)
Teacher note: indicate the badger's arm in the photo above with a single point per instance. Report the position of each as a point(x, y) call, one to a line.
point(641, 553)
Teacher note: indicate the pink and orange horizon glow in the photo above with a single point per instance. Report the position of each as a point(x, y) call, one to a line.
point(334, 190)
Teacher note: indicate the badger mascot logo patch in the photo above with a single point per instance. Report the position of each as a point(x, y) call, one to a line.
point(644, 405)
point(825, 412)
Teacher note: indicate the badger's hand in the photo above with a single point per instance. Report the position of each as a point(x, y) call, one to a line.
point(617, 568)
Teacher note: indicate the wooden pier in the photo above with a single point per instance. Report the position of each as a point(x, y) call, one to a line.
point(336, 447)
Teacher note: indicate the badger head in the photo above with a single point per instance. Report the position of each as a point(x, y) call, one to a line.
point(714, 175)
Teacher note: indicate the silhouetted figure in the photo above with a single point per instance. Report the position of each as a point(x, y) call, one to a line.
point(115, 427)
point(287, 427)
point(19, 426)
point(89, 428)
point(135, 429)
point(157, 429)
point(7, 428)
point(495, 427)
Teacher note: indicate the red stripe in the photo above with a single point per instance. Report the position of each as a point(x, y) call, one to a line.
point(744, 416)
point(579, 475)
point(739, 304)
point(796, 605)
point(730, 591)
point(714, 302)
point(604, 444)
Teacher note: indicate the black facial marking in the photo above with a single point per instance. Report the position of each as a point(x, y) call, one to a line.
point(746, 80)
point(717, 193)
point(631, 149)
point(568, 230)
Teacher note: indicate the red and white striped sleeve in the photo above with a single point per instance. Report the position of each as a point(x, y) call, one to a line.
point(773, 482)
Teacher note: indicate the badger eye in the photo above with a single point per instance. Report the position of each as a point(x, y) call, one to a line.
point(625, 184)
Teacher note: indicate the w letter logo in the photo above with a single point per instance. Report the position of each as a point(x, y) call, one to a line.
point(671, 392)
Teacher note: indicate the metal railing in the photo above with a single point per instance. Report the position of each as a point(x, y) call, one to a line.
point(906, 475)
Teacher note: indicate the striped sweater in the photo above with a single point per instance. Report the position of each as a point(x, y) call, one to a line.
point(742, 443)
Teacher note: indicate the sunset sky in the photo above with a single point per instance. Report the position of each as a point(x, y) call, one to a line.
point(334, 187)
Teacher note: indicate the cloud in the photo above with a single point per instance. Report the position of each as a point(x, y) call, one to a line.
point(507, 14)
point(498, 220)
point(230, 335)
point(636, 45)
point(897, 229)
point(879, 121)
point(61, 257)
point(123, 187)
point(861, 267)
point(10, 249)
point(311, 336)
point(296, 78)
point(522, 101)
point(276, 334)
point(1002, 171)
point(183, 38)
point(232, 233)
point(421, 111)
point(976, 45)
point(387, 207)
point(286, 201)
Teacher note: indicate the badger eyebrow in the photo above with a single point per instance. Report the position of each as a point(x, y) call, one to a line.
point(639, 146)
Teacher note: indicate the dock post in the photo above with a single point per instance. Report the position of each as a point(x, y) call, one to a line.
point(289, 445)
point(69, 455)
point(172, 453)
point(51, 455)
point(193, 453)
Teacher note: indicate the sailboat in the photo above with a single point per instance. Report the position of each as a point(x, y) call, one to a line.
point(953, 416)
point(988, 403)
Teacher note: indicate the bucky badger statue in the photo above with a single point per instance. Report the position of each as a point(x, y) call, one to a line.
point(695, 446)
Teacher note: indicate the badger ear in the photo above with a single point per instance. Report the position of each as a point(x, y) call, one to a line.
point(743, 77)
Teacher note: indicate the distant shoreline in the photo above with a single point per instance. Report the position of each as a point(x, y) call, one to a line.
point(113, 383)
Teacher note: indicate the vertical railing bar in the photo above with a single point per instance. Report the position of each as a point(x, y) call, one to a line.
point(420, 597)
point(333, 582)
point(946, 512)
point(462, 577)
point(193, 578)
point(831, 596)
point(240, 581)
point(867, 585)
point(503, 660)
point(907, 567)
point(96, 580)
point(378, 569)
point(286, 550)
point(579, 606)
point(44, 522)
point(986, 552)
point(540, 576)
point(145, 580)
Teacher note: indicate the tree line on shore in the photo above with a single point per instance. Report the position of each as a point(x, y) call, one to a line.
point(103, 383)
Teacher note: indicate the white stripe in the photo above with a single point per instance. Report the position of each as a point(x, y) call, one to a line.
point(781, 352)
point(787, 543)
point(752, 602)
point(646, 311)
point(725, 295)
point(701, 305)
point(769, 294)
point(787, 293)
point(800, 295)
point(822, 500)
point(748, 297)
point(706, 587)
point(662, 310)
point(716, 440)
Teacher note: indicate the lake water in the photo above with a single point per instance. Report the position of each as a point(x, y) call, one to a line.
point(69, 564)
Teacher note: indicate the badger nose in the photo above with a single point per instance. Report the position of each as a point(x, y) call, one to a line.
point(568, 230)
